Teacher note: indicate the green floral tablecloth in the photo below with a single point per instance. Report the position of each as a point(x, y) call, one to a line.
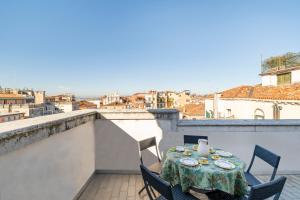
point(207, 177)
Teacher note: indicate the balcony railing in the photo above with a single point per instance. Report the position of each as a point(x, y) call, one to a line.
point(54, 157)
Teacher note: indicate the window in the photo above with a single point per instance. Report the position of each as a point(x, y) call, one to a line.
point(259, 114)
point(228, 112)
point(284, 79)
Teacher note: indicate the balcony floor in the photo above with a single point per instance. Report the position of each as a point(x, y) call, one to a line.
point(126, 187)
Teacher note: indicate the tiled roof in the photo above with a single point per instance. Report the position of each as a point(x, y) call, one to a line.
point(288, 92)
point(11, 96)
point(86, 105)
point(194, 109)
point(115, 104)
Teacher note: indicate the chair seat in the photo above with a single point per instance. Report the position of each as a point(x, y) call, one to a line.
point(155, 167)
point(252, 180)
point(179, 195)
point(218, 195)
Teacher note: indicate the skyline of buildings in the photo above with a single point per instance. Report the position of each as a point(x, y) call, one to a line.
point(276, 97)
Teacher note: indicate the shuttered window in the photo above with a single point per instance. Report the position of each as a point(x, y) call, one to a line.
point(284, 79)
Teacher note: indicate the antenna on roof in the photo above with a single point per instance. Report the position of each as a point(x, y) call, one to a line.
point(261, 62)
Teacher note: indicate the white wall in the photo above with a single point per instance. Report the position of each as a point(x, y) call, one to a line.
point(241, 141)
point(116, 141)
point(269, 80)
point(65, 107)
point(245, 109)
point(53, 168)
point(296, 76)
point(57, 167)
point(97, 102)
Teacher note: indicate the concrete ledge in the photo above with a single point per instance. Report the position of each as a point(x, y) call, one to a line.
point(161, 114)
point(284, 122)
point(16, 134)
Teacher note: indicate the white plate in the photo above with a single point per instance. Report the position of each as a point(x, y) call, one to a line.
point(224, 164)
point(180, 148)
point(189, 162)
point(224, 153)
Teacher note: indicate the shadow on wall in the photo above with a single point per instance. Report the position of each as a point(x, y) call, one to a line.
point(117, 142)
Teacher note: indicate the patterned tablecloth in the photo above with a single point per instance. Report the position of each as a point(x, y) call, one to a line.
point(207, 177)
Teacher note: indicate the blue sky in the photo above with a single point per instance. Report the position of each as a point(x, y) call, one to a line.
point(93, 47)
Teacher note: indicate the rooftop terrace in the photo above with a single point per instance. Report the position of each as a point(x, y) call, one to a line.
point(93, 154)
point(126, 187)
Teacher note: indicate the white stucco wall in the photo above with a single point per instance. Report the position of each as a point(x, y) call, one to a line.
point(57, 166)
point(116, 141)
point(269, 80)
point(295, 76)
point(245, 109)
point(53, 168)
point(97, 102)
point(240, 140)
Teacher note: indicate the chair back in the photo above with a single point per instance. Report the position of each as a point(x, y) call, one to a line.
point(267, 156)
point(146, 144)
point(266, 190)
point(154, 181)
point(193, 139)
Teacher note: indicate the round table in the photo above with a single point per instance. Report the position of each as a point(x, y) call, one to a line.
point(206, 177)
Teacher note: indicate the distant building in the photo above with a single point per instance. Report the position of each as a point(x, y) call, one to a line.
point(110, 98)
point(22, 101)
point(97, 102)
point(162, 100)
point(6, 99)
point(193, 111)
point(63, 103)
point(86, 105)
point(278, 97)
point(255, 102)
point(281, 70)
point(114, 106)
point(183, 98)
point(151, 99)
point(6, 117)
point(39, 97)
point(137, 101)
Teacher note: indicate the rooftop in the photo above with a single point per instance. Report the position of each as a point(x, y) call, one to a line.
point(287, 92)
point(11, 96)
point(92, 154)
point(194, 109)
point(126, 186)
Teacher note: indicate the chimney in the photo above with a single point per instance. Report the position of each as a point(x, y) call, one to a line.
point(215, 105)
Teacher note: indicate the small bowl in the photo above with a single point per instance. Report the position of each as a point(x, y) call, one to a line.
point(187, 153)
point(215, 157)
point(203, 161)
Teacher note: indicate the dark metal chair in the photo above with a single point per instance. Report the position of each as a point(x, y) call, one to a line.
point(164, 188)
point(146, 144)
point(257, 192)
point(193, 139)
point(267, 156)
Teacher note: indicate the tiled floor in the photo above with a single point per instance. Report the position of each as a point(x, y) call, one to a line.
point(126, 187)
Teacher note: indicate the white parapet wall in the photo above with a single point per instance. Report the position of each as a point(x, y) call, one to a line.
point(47, 158)
point(117, 135)
point(53, 157)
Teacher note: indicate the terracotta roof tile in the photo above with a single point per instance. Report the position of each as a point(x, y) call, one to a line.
point(11, 96)
point(194, 109)
point(288, 92)
point(86, 105)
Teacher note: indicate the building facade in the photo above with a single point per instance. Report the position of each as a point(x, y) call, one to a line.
point(6, 117)
point(277, 97)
